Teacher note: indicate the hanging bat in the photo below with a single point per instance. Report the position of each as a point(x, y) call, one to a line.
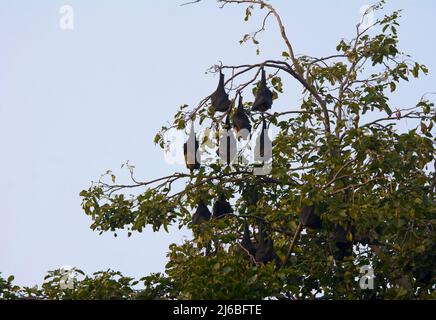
point(190, 151)
point(227, 125)
point(241, 123)
point(202, 214)
point(344, 242)
point(221, 207)
point(251, 195)
point(246, 241)
point(309, 218)
point(262, 143)
point(220, 99)
point(264, 96)
point(227, 149)
point(265, 248)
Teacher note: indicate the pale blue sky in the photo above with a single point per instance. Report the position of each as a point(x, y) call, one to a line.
point(76, 103)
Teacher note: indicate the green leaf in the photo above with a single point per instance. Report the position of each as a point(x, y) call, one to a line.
point(424, 69)
point(388, 110)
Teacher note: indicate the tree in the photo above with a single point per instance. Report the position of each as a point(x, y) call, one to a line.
point(346, 189)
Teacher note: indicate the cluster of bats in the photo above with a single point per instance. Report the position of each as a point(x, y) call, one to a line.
point(262, 249)
point(220, 102)
point(343, 236)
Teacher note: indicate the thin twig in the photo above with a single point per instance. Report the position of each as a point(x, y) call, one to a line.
point(292, 245)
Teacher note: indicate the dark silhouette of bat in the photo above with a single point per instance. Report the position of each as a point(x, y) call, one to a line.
point(220, 99)
point(265, 248)
point(424, 271)
point(190, 151)
point(241, 123)
point(227, 125)
point(309, 218)
point(202, 214)
point(423, 275)
point(251, 195)
point(246, 242)
point(264, 96)
point(229, 142)
point(343, 242)
point(261, 143)
point(221, 207)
